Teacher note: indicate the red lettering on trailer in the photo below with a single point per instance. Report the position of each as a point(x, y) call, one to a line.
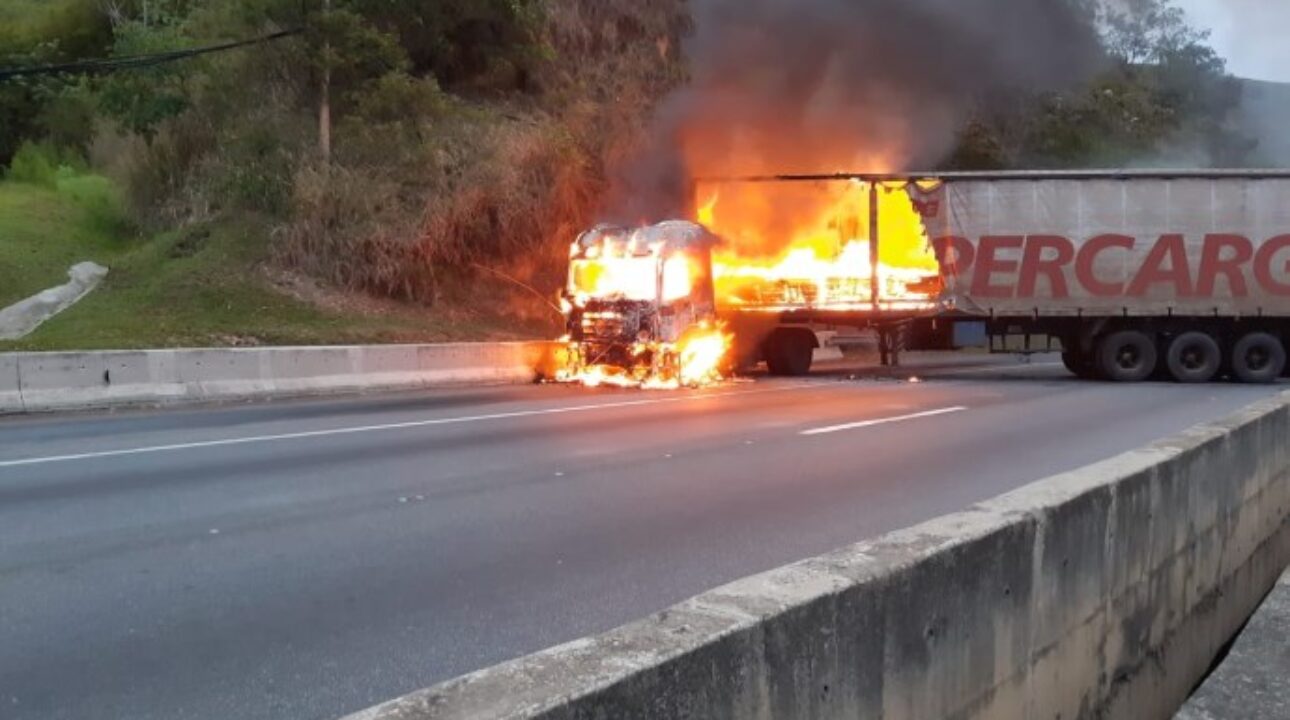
point(1225, 257)
point(1213, 264)
point(1263, 266)
point(1034, 264)
point(988, 264)
point(1171, 248)
point(964, 254)
point(1087, 258)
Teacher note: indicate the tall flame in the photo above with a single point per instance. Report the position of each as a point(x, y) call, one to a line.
point(808, 246)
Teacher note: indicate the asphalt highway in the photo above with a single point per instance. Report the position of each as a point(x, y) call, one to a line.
point(308, 559)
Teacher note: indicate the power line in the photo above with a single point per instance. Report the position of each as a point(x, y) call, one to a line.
point(132, 62)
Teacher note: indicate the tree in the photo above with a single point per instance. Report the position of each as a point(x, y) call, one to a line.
point(142, 99)
point(1167, 99)
point(1148, 31)
point(52, 32)
point(463, 42)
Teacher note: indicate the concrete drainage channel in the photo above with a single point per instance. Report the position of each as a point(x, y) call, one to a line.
point(41, 382)
point(1105, 592)
point(1253, 682)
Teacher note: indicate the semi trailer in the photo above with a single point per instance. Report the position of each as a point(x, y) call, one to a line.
point(1131, 275)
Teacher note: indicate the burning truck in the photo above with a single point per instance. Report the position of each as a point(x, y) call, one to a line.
point(640, 307)
point(686, 303)
point(1130, 275)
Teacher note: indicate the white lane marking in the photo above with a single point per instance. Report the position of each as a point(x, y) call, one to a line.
point(379, 428)
point(883, 421)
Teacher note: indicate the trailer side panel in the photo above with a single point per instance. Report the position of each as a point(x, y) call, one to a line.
point(1113, 247)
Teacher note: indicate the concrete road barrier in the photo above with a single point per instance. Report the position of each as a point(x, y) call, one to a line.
point(10, 395)
point(35, 382)
point(1104, 592)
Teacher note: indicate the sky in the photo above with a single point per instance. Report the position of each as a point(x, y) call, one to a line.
point(1250, 34)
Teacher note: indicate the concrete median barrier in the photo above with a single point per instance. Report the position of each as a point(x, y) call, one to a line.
point(10, 397)
point(36, 382)
point(1104, 592)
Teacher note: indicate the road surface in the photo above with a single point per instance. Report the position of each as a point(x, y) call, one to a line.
point(307, 559)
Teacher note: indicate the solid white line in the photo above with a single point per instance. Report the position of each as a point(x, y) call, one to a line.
point(380, 428)
point(883, 421)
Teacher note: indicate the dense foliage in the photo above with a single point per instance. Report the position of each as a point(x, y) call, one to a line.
point(1165, 99)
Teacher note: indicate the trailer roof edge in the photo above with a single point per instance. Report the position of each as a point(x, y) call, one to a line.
point(1195, 174)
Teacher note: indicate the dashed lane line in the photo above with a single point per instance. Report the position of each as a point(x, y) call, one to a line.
point(883, 421)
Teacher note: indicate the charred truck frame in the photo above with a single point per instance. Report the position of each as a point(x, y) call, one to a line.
point(634, 295)
point(1132, 275)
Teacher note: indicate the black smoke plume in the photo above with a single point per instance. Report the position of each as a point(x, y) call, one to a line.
point(810, 86)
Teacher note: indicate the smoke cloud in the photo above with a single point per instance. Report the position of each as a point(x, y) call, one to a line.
point(809, 86)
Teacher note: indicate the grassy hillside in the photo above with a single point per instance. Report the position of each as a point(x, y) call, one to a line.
point(203, 285)
point(471, 141)
point(43, 231)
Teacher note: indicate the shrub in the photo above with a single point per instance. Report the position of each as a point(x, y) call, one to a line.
point(398, 97)
point(43, 164)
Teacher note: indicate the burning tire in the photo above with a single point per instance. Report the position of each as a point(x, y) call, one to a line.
point(1258, 358)
point(1127, 356)
point(790, 353)
point(1193, 357)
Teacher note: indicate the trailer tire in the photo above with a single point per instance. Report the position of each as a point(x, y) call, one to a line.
point(790, 354)
point(1258, 358)
point(1079, 364)
point(1127, 356)
point(1194, 357)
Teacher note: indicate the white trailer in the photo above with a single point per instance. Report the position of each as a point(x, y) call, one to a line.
point(1184, 274)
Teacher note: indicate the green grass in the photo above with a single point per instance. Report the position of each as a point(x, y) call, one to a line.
point(201, 286)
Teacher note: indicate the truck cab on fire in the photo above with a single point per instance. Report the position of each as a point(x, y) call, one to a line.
point(635, 295)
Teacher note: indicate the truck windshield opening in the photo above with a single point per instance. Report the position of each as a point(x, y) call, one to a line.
point(632, 278)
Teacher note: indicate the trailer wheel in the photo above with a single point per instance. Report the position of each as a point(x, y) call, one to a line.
point(1258, 358)
point(789, 354)
point(1193, 357)
point(1079, 364)
point(1126, 356)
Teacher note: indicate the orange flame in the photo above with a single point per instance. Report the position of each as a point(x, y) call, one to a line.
point(808, 246)
point(695, 360)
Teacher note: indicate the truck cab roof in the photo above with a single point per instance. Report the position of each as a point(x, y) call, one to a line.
point(662, 239)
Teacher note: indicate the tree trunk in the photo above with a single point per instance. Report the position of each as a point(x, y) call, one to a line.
point(324, 105)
